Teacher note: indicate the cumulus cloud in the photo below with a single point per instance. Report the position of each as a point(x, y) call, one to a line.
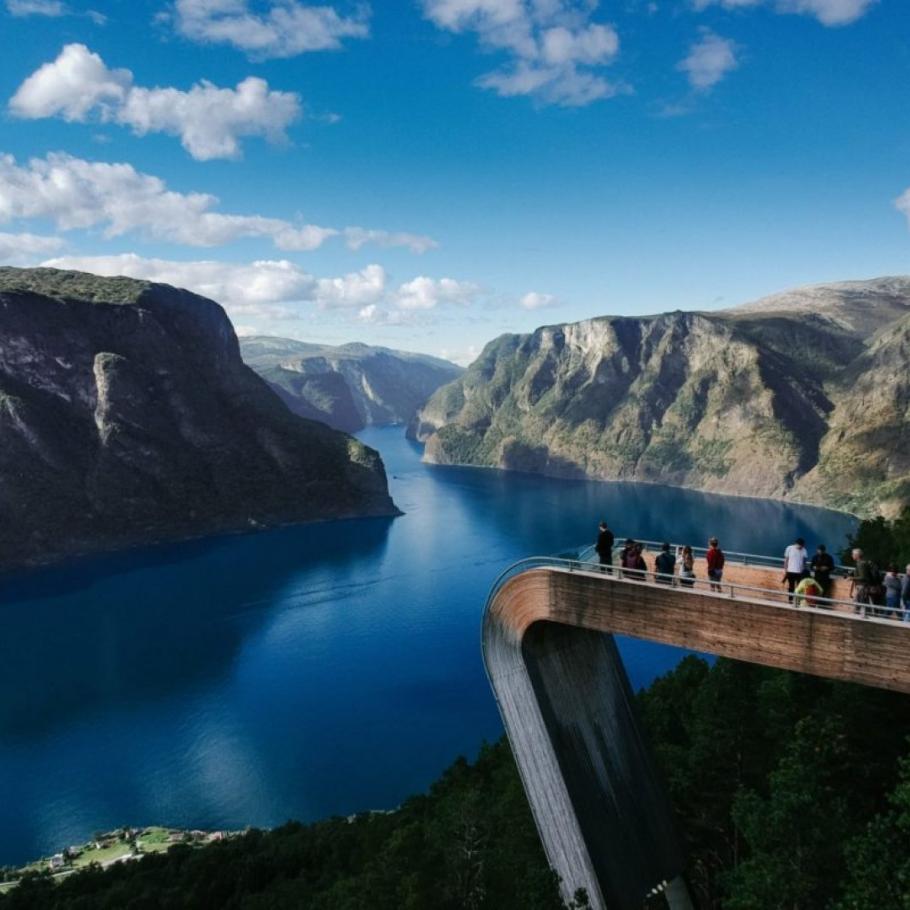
point(534, 300)
point(269, 289)
point(424, 293)
point(75, 193)
point(708, 60)
point(552, 46)
point(245, 289)
point(357, 289)
point(210, 121)
point(828, 12)
point(285, 29)
point(23, 248)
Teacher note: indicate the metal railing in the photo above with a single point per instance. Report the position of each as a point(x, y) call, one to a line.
point(589, 554)
point(846, 609)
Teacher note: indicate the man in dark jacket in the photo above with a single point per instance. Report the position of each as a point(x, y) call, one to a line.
point(604, 546)
point(822, 569)
point(664, 565)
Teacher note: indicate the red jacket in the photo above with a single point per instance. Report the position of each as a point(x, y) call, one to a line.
point(715, 558)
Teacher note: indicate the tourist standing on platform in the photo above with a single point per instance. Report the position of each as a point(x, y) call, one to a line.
point(686, 563)
point(664, 565)
point(892, 585)
point(638, 561)
point(905, 595)
point(822, 565)
point(863, 581)
point(604, 546)
point(808, 591)
point(795, 561)
point(715, 560)
point(627, 554)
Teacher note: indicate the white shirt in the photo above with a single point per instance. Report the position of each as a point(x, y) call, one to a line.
point(796, 558)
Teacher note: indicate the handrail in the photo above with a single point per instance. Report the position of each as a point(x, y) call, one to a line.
point(729, 590)
point(586, 553)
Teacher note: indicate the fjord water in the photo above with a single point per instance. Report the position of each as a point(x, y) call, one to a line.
point(300, 672)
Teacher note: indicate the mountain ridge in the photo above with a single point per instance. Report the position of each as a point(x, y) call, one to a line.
point(759, 400)
point(348, 386)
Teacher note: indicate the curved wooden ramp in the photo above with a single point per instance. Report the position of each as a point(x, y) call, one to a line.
point(570, 715)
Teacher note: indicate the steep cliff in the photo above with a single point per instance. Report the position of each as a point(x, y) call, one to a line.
point(127, 415)
point(350, 386)
point(802, 395)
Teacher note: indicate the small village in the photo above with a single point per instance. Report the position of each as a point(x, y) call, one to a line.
point(107, 848)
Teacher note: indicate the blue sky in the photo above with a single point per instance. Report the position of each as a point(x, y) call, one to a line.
point(427, 174)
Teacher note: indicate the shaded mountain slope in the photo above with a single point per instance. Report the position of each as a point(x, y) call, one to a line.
point(127, 415)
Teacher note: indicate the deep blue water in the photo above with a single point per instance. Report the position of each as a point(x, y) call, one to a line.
point(301, 672)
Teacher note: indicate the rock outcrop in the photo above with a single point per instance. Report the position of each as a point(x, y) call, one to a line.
point(350, 386)
point(128, 416)
point(804, 395)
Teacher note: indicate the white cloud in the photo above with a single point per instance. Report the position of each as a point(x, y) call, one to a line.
point(356, 237)
point(51, 8)
point(552, 45)
point(357, 289)
point(209, 120)
point(244, 288)
point(534, 300)
point(286, 29)
point(75, 193)
point(828, 12)
point(269, 289)
point(424, 293)
point(36, 8)
point(22, 248)
point(709, 60)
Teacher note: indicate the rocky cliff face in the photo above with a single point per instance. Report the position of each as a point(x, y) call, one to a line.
point(802, 395)
point(348, 387)
point(127, 415)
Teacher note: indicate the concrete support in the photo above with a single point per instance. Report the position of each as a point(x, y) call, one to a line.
point(570, 715)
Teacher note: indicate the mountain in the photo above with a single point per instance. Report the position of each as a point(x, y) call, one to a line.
point(803, 395)
point(127, 415)
point(347, 387)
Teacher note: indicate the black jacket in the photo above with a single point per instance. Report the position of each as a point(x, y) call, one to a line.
point(605, 541)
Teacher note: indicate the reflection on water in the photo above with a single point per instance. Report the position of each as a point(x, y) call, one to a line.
point(303, 671)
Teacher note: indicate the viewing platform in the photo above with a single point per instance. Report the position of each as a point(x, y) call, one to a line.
point(570, 714)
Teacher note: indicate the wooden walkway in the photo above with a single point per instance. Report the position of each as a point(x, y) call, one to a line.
point(570, 715)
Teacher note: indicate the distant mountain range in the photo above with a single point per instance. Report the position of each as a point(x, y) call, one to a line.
point(348, 387)
point(803, 395)
point(127, 415)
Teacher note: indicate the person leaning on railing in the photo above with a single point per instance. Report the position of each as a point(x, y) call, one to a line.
point(807, 591)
